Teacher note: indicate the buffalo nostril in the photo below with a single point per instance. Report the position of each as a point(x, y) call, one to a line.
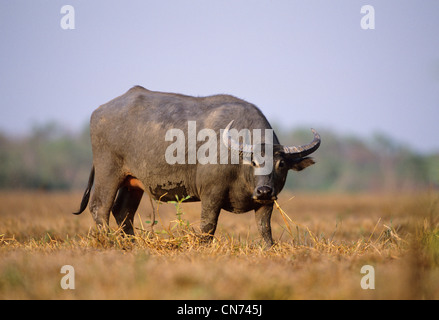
point(263, 191)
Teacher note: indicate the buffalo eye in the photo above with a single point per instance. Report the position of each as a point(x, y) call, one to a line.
point(281, 163)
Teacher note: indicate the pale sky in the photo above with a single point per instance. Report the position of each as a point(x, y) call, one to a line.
point(304, 63)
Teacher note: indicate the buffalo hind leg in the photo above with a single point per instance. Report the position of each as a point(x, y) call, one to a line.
point(106, 186)
point(125, 207)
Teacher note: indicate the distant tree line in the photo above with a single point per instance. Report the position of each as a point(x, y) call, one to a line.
point(48, 158)
point(351, 164)
point(52, 158)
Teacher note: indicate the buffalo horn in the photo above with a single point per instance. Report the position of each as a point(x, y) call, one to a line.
point(291, 151)
point(303, 151)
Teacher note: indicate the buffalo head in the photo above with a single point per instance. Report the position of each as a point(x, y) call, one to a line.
point(281, 159)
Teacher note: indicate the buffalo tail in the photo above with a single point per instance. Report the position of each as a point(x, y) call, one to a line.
point(86, 195)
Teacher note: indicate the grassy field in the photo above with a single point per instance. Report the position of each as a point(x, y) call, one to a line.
point(322, 242)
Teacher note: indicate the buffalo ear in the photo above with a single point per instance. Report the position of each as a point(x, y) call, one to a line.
point(301, 163)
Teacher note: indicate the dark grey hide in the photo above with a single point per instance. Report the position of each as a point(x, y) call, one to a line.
point(128, 142)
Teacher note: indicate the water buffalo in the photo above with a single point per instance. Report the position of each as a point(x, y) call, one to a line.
point(131, 137)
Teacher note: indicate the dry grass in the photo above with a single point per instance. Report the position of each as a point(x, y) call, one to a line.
point(322, 241)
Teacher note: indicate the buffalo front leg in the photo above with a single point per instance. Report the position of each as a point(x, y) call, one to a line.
point(209, 219)
point(263, 221)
